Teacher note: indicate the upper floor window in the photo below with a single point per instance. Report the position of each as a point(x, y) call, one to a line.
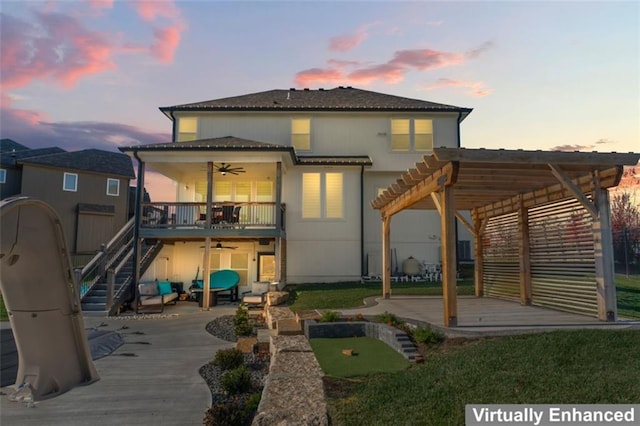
point(322, 195)
point(70, 182)
point(187, 129)
point(411, 134)
point(113, 187)
point(301, 134)
point(3, 176)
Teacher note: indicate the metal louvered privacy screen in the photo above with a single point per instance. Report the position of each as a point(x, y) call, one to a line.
point(561, 252)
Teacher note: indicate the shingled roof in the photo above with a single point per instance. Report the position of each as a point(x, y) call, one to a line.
point(338, 99)
point(226, 143)
point(9, 145)
point(10, 158)
point(90, 160)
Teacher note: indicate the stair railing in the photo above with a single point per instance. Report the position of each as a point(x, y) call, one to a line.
point(96, 270)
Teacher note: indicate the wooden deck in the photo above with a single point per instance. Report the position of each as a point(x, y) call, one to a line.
point(482, 316)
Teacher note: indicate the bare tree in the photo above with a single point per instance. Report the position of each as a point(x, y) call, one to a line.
point(625, 227)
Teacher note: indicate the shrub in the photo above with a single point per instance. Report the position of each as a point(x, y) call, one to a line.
point(427, 335)
point(329, 316)
point(237, 381)
point(242, 315)
point(239, 410)
point(388, 318)
point(228, 359)
point(244, 329)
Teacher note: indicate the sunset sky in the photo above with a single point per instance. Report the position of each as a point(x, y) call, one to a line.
point(539, 75)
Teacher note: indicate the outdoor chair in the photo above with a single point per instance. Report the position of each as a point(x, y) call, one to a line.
point(258, 294)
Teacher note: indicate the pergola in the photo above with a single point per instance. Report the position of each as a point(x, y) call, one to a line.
point(494, 183)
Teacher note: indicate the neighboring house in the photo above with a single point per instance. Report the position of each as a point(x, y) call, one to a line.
point(10, 171)
point(89, 190)
point(300, 168)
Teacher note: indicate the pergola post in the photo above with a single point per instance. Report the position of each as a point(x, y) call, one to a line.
point(478, 254)
point(386, 256)
point(448, 235)
point(525, 258)
point(603, 253)
point(206, 267)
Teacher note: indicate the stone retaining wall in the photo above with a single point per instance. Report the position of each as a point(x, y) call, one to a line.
point(293, 393)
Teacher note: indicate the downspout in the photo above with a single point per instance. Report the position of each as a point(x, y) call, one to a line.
point(174, 127)
point(455, 226)
point(136, 228)
point(362, 271)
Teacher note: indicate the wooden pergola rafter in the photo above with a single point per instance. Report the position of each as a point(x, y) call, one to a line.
point(490, 183)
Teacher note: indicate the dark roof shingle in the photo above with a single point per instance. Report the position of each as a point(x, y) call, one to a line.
point(338, 99)
point(90, 160)
point(9, 145)
point(226, 143)
point(10, 158)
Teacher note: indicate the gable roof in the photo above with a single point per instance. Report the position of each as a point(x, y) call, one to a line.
point(338, 99)
point(10, 158)
point(9, 145)
point(90, 160)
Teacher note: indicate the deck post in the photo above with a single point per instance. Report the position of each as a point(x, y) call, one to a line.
point(525, 255)
point(449, 262)
point(603, 253)
point(209, 208)
point(137, 241)
point(206, 274)
point(386, 256)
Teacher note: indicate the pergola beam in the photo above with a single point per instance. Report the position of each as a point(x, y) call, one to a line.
point(573, 188)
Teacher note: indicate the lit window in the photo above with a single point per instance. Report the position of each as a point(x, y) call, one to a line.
point(222, 191)
point(187, 129)
point(400, 138)
point(423, 135)
point(3, 176)
point(70, 182)
point(264, 191)
point(113, 187)
point(409, 134)
point(322, 195)
point(301, 134)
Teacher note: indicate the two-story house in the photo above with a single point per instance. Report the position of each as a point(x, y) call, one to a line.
point(277, 184)
point(89, 190)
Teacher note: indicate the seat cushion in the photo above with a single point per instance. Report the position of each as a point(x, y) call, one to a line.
point(149, 289)
point(164, 287)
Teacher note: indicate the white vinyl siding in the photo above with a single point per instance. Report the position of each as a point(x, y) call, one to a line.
point(187, 129)
point(70, 182)
point(408, 135)
point(113, 187)
point(322, 195)
point(301, 134)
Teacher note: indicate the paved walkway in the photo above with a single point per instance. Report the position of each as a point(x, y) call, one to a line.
point(483, 316)
point(152, 379)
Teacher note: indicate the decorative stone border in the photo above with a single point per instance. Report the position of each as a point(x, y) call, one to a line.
point(397, 339)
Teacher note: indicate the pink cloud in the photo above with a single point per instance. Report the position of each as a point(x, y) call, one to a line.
point(477, 88)
point(165, 44)
point(346, 42)
point(60, 48)
point(311, 76)
point(150, 10)
point(571, 148)
point(392, 71)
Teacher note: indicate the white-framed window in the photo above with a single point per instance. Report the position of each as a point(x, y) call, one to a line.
point(187, 129)
point(301, 134)
point(322, 195)
point(113, 187)
point(411, 134)
point(70, 182)
point(3, 176)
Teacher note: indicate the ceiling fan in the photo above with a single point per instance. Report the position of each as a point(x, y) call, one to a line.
point(225, 168)
point(219, 246)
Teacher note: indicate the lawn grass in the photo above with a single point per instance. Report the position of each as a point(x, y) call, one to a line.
point(371, 356)
point(628, 295)
point(351, 294)
point(571, 367)
point(3, 310)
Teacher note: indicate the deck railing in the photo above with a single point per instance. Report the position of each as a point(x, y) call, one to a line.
point(178, 215)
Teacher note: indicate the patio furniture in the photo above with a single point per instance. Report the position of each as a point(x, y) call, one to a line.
point(258, 294)
point(221, 283)
point(155, 293)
